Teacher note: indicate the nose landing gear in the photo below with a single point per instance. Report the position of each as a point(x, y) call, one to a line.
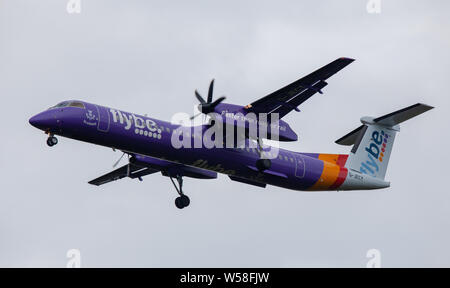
point(52, 140)
point(182, 201)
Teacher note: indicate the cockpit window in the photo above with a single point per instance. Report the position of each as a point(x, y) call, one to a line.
point(77, 104)
point(60, 105)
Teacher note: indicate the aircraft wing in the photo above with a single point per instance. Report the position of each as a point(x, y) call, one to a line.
point(291, 96)
point(140, 166)
point(122, 172)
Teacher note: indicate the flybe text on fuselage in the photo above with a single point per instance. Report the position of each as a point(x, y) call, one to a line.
point(129, 120)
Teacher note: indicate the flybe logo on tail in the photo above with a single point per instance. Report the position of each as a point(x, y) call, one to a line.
point(375, 152)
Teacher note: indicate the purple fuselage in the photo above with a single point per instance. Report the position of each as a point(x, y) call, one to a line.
point(151, 137)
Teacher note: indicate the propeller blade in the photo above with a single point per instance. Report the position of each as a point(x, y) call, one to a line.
point(118, 161)
point(217, 102)
point(208, 106)
point(199, 97)
point(210, 91)
point(192, 117)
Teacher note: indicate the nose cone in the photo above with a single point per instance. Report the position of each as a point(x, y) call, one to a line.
point(44, 120)
point(34, 120)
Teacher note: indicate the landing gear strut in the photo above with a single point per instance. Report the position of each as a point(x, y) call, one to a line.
point(52, 140)
point(182, 201)
point(262, 164)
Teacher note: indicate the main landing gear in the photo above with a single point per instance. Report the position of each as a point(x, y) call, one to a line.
point(181, 201)
point(52, 140)
point(262, 164)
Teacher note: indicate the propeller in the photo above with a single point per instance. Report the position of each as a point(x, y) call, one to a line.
point(208, 106)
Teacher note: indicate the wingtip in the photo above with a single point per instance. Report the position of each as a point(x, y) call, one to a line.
point(92, 183)
point(347, 59)
point(429, 107)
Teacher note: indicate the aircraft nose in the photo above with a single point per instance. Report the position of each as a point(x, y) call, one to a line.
point(42, 120)
point(34, 120)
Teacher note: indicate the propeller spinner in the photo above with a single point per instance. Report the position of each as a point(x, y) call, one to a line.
point(208, 106)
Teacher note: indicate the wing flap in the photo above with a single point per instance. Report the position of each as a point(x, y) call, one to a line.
point(122, 172)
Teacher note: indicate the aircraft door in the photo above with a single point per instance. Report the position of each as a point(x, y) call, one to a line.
point(300, 168)
point(103, 119)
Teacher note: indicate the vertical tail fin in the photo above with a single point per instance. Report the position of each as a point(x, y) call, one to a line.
point(370, 155)
point(372, 142)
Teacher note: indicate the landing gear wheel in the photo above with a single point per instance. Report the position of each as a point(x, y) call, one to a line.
point(52, 141)
point(185, 200)
point(263, 164)
point(179, 203)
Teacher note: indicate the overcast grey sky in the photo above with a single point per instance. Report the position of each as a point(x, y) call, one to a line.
point(148, 57)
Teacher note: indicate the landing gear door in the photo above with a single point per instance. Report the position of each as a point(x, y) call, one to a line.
point(103, 119)
point(300, 168)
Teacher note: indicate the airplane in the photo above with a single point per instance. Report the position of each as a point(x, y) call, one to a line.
point(148, 146)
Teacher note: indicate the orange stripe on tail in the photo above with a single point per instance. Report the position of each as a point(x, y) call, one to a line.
point(333, 173)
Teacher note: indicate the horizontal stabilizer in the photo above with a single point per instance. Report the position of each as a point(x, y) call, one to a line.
point(388, 120)
point(350, 138)
point(402, 115)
